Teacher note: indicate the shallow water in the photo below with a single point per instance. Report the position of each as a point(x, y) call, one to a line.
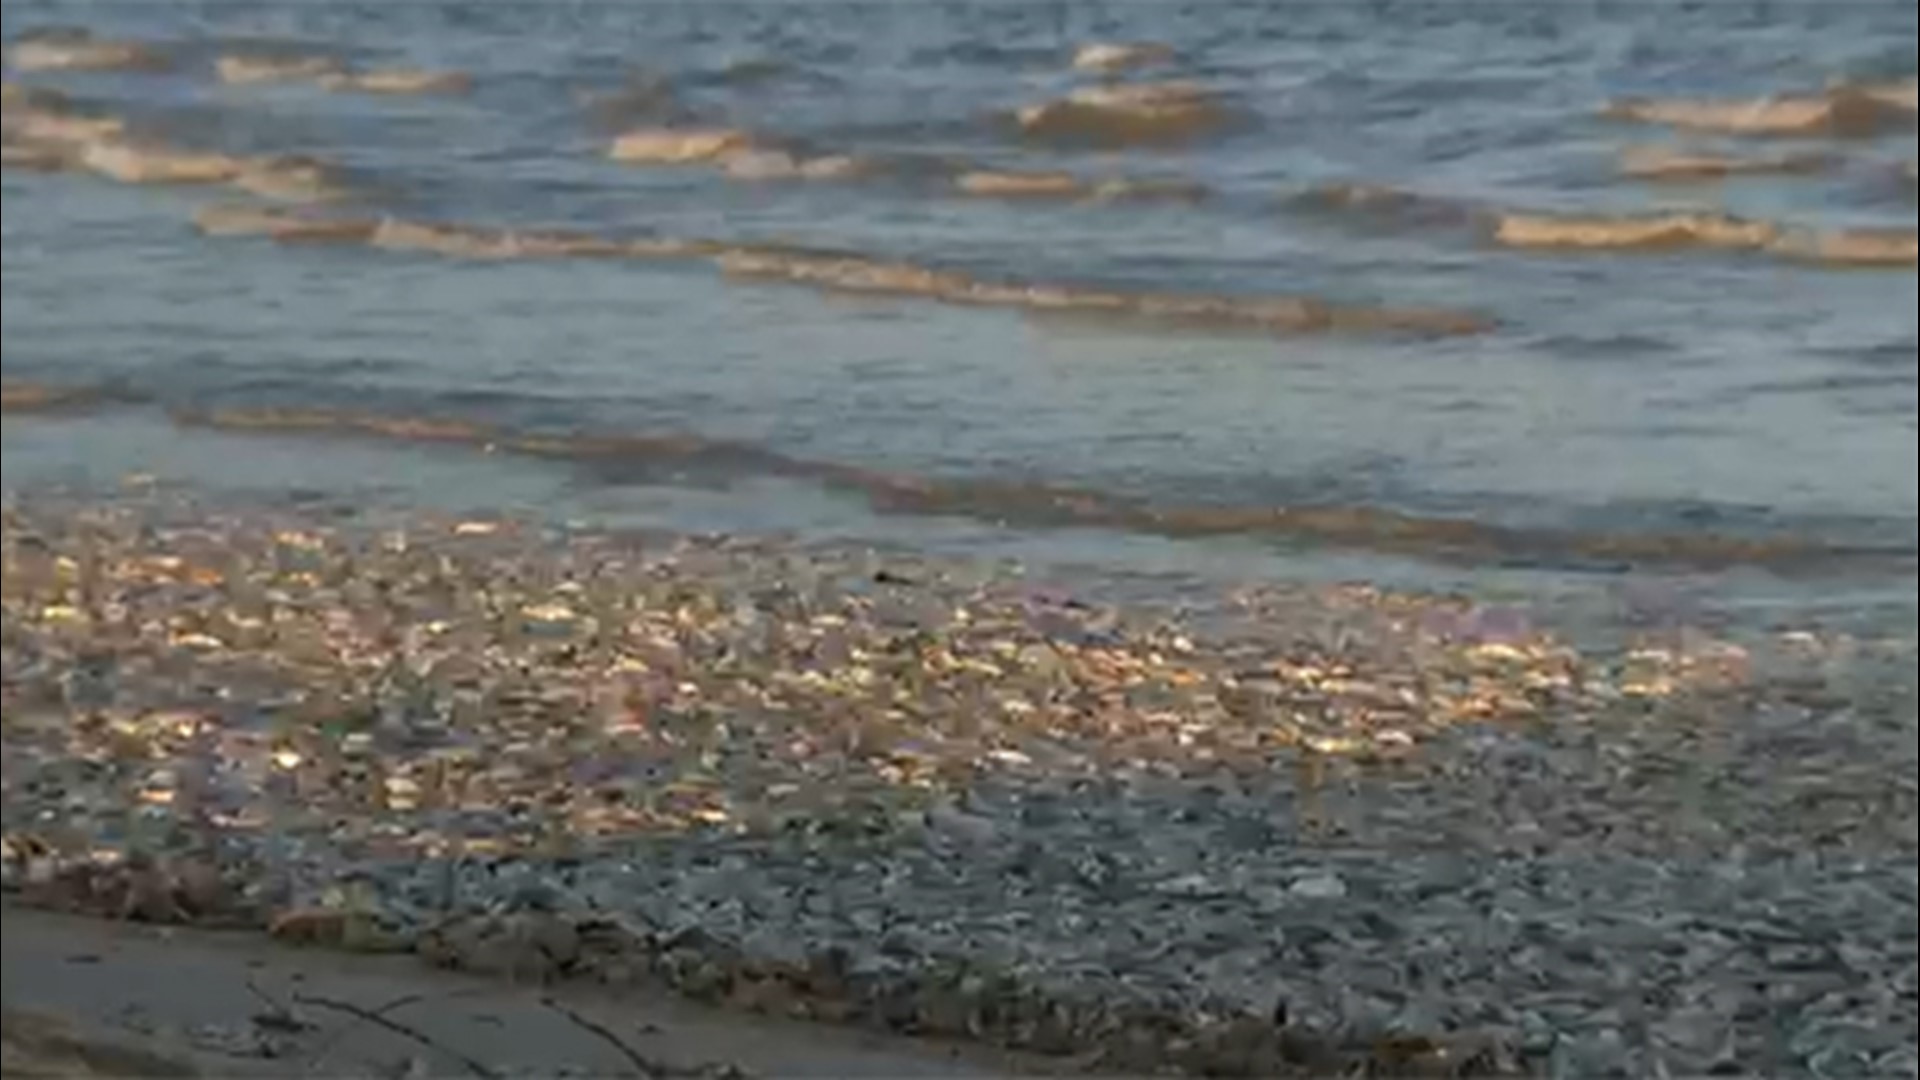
point(1678, 393)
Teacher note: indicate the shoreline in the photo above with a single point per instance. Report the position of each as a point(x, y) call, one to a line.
point(885, 792)
point(1362, 529)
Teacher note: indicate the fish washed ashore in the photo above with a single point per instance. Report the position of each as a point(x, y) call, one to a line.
point(1292, 831)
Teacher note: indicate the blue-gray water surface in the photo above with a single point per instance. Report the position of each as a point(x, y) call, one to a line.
point(1685, 393)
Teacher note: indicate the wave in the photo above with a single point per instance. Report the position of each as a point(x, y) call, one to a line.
point(1156, 190)
point(843, 273)
point(1843, 112)
point(399, 82)
point(333, 74)
point(1107, 57)
point(20, 396)
point(1853, 247)
point(287, 178)
point(763, 165)
point(294, 178)
point(50, 132)
point(743, 155)
point(1052, 185)
point(281, 225)
point(1669, 232)
point(1904, 94)
point(1668, 164)
point(863, 275)
point(1654, 232)
point(681, 146)
point(1059, 185)
point(298, 226)
point(462, 241)
point(78, 50)
point(41, 129)
point(32, 114)
point(245, 69)
point(738, 153)
point(34, 157)
point(1035, 504)
point(1125, 115)
point(150, 163)
point(406, 428)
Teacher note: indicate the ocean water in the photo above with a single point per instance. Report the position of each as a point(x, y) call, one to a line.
point(1717, 422)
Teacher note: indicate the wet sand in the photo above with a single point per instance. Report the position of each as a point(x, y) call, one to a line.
point(119, 985)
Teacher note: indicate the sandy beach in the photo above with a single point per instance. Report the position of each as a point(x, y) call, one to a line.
point(1291, 831)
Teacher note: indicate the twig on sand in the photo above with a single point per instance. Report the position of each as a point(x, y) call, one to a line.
point(377, 1018)
point(277, 1017)
point(640, 1062)
point(400, 1002)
